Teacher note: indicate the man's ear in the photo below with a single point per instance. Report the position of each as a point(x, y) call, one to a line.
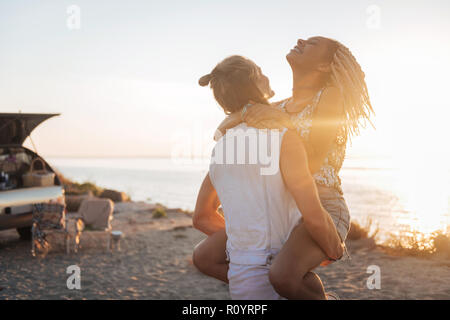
point(324, 67)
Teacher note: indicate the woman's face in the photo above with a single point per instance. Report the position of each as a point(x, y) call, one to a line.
point(309, 54)
point(263, 84)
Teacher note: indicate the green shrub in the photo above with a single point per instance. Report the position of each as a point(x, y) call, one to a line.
point(159, 213)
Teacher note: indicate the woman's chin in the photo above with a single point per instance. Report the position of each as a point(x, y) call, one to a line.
point(294, 62)
point(292, 57)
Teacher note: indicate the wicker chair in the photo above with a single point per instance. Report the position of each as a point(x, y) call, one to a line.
point(48, 221)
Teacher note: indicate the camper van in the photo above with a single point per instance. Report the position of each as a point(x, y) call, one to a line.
point(25, 177)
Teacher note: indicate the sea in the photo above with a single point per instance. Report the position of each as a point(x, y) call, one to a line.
point(378, 194)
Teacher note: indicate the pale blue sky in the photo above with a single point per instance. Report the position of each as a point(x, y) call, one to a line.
point(126, 82)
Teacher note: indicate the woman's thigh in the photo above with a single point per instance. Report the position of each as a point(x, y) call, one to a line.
point(299, 255)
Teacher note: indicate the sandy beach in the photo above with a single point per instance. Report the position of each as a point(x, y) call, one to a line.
point(155, 263)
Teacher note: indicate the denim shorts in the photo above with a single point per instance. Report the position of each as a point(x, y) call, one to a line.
point(333, 201)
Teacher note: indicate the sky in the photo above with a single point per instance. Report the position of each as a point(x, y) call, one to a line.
point(125, 78)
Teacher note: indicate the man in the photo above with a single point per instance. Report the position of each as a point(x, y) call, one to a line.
point(261, 201)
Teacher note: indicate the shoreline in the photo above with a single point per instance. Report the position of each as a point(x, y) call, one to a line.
point(368, 193)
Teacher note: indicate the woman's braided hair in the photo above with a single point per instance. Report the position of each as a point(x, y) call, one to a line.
point(347, 75)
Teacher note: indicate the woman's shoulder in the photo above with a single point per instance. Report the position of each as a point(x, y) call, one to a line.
point(330, 93)
point(330, 100)
point(331, 90)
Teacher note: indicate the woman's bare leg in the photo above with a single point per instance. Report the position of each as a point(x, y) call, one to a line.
point(290, 272)
point(210, 258)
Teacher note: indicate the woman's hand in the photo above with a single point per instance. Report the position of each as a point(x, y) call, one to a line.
point(340, 252)
point(264, 116)
point(267, 124)
point(326, 263)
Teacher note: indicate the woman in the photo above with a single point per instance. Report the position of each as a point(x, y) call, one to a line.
point(329, 101)
point(260, 208)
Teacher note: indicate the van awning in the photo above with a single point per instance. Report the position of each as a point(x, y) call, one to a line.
point(16, 127)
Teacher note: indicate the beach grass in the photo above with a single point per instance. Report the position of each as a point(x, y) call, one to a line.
point(88, 188)
point(414, 243)
point(159, 212)
point(362, 231)
point(75, 188)
point(404, 243)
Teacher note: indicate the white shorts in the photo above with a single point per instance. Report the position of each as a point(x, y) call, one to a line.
point(250, 282)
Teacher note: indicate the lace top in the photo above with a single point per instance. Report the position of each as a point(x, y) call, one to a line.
point(328, 174)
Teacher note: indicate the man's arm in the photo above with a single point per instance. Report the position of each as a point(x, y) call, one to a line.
point(272, 116)
point(258, 116)
point(206, 218)
point(300, 183)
